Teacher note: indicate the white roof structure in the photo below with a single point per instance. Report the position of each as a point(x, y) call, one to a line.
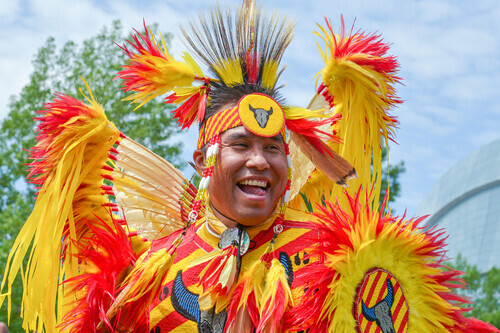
point(466, 202)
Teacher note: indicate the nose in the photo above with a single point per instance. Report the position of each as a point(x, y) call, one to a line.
point(257, 159)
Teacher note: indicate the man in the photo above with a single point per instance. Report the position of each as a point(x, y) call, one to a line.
point(239, 253)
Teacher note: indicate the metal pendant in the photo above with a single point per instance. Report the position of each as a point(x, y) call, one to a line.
point(231, 236)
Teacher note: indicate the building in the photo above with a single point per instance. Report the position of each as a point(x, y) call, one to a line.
point(466, 202)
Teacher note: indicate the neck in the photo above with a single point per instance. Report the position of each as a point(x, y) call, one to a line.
point(227, 221)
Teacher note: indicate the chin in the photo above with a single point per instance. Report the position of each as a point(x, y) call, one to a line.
point(254, 218)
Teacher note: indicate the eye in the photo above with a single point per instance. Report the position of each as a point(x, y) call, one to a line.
point(239, 144)
point(274, 148)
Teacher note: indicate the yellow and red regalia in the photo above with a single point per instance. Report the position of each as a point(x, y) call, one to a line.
point(120, 241)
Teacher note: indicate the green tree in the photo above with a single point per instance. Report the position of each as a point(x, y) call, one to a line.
point(390, 177)
point(98, 60)
point(483, 289)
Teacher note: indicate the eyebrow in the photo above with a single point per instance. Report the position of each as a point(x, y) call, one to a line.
point(236, 136)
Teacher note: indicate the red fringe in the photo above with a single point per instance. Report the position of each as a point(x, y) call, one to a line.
point(108, 254)
point(44, 154)
point(131, 80)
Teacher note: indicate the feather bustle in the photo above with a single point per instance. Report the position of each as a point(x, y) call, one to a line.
point(354, 241)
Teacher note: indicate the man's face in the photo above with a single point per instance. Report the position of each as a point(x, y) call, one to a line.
point(250, 176)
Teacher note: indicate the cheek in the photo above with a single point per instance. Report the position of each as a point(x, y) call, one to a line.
point(281, 170)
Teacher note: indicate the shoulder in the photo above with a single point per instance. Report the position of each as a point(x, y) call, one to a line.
point(303, 218)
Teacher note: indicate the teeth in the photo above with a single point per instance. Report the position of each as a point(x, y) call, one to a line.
point(260, 183)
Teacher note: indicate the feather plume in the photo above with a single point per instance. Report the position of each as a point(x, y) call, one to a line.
point(73, 143)
point(276, 299)
point(217, 278)
point(240, 47)
point(107, 254)
point(358, 239)
point(193, 108)
point(358, 79)
point(139, 289)
point(152, 71)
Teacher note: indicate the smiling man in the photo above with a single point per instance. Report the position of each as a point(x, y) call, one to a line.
point(246, 235)
point(240, 252)
point(249, 178)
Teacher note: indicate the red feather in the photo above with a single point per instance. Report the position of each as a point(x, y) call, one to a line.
point(473, 325)
point(45, 155)
point(188, 111)
point(107, 254)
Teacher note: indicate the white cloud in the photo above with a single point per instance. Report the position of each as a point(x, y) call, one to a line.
point(436, 11)
point(9, 10)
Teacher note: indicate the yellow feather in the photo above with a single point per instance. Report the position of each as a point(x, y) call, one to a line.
point(70, 194)
point(229, 70)
point(362, 95)
point(275, 277)
point(269, 74)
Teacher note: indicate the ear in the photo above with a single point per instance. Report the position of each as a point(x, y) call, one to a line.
point(199, 160)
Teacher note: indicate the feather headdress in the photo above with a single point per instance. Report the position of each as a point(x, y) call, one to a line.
point(243, 51)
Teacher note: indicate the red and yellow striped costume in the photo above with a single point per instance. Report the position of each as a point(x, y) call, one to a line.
point(291, 248)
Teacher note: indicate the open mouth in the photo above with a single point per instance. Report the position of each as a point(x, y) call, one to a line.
point(254, 187)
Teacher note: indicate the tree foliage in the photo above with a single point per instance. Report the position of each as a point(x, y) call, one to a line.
point(483, 289)
point(55, 69)
point(390, 179)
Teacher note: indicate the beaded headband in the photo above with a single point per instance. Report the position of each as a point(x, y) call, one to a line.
point(259, 113)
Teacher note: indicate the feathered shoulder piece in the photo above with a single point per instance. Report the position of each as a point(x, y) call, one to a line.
point(100, 197)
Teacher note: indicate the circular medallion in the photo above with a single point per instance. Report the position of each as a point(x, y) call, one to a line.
point(261, 115)
point(380, 304)
point(230, 236)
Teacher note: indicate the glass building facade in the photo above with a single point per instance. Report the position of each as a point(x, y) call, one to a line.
point(466, 202)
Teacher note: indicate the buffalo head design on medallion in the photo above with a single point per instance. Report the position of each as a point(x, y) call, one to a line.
point(380, 304)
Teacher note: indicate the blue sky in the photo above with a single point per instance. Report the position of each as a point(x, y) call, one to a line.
point(448, 51)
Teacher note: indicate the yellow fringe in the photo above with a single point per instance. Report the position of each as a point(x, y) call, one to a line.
point(80, 152)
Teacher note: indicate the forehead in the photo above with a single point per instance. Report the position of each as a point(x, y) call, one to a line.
point(241, 132)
